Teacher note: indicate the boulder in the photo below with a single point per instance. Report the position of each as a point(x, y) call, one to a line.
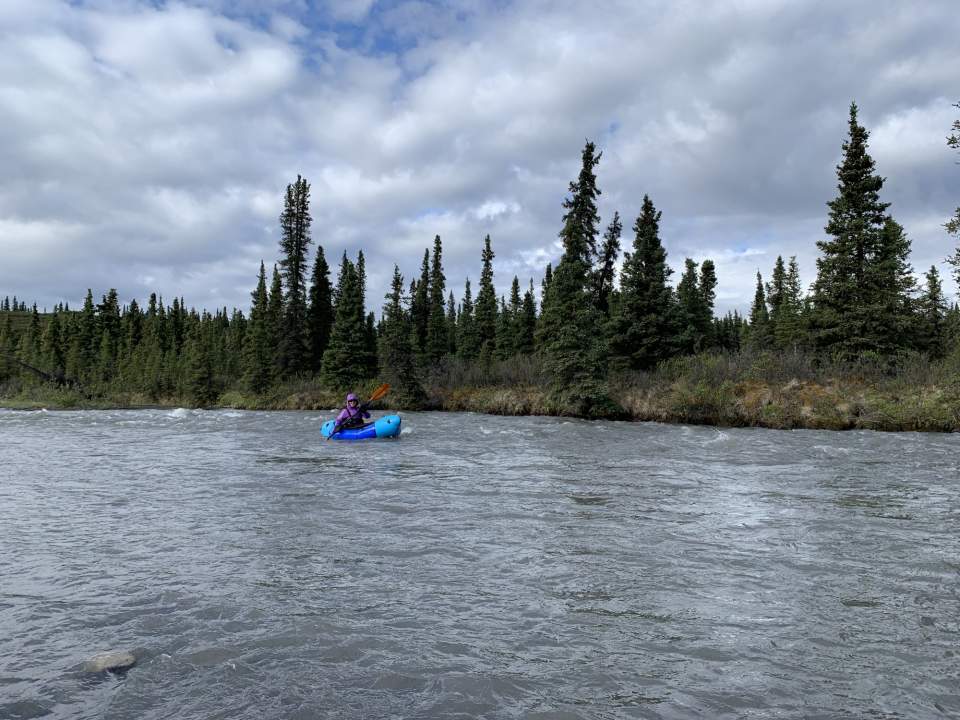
point(115, 661)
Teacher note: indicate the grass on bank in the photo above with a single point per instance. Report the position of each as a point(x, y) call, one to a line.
point(783, 390)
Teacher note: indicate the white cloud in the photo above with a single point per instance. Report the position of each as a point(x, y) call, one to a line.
point(161, 137)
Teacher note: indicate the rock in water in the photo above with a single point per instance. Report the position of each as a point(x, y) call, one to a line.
point(116, 661)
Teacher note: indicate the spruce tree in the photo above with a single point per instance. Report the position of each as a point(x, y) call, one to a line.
point(504, 338)
point(437, 340)
point(346, 361)
point(485, 312)
point(932, 307)
point(275, 317)
point(642, 329)
point(758, 331)
point(397, 362)
point(87, 341)
point(451, 324)
point(420, 305)
point(527, 322)
point(468, 342)
point(257, 350)
point(570, 338)
point(293, 351)
point(110, 337)
point(200, 381)
point(708, 295)
point(892, 287)
point(516, 317)
point(862, 270)
point(785, 304)
point(53, 353)
point(605, 273)
point(690, 310)
point(320, 310)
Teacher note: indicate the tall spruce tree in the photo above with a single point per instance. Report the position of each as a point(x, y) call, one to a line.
point(758, 332)
point(690, 310)
point(451, 324)
point(570, 337)
point(605, 273)
point(293, 352)
point(708, 295)
point(420, 305)
point(257, 350)
point(932, 307)
point(346, 361)
point(642, 328)
point(527, 322)
point(275, 317)
point(468, 342)
point(785, 303)
point(437, 340)
point(397, 362)
point(320, 310)
point(504, 342)
point(862, 269)
point(485, 311)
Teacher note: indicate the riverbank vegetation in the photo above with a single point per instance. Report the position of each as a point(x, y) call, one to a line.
point(869, 345)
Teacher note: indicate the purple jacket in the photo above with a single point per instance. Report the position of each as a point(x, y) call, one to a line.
point(348, 412)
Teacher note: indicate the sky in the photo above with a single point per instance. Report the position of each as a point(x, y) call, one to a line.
point(145, 145)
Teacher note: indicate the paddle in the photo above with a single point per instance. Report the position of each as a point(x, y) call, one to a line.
point(376, 395)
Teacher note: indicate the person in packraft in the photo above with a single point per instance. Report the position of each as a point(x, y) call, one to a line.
point(352, 415)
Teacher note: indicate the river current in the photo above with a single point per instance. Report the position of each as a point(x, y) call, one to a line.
point(478, 567)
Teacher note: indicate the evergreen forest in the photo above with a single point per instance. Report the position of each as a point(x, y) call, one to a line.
point(611, 331)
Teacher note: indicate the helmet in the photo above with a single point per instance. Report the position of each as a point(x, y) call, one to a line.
point(352, 398)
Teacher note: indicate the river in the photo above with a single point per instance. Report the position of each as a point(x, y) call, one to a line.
point(478, 567)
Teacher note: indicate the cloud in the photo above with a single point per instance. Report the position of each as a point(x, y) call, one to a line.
point(146, 145)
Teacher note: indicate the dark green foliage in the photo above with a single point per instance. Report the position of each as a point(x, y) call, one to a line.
point(320, 310)
point(451, 324)
point(569, 334)
point(643, 327)
point(258, 351)
point(274, 316)
point(708, 294)
point(861, 298)
point(527, 323)
point(759, 334)
point(82, 362)
point(200, 380)
point(347, 361)
point(54, 356)
point(728, 331)
point(438, 337)
point(468, 340)
point(420, 305)
point(604, 275)
point(691, 311)
point(932, 309)
point(504, 337)
point(486, 307)
point(397, 362)
point(785, 304)
point(295, 221)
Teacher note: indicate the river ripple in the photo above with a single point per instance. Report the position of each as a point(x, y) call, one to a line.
point(479, 567)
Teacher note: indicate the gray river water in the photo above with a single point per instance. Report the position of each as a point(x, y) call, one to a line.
point(479, 567)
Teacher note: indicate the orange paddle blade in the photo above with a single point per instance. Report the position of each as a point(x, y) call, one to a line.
point(379, 392)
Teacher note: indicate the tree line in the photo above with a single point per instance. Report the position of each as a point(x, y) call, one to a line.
point(602, 309)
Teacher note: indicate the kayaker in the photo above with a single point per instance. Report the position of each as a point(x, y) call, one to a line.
point(352, 414)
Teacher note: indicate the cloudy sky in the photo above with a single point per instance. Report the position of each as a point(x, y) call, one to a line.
point(145, 145)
